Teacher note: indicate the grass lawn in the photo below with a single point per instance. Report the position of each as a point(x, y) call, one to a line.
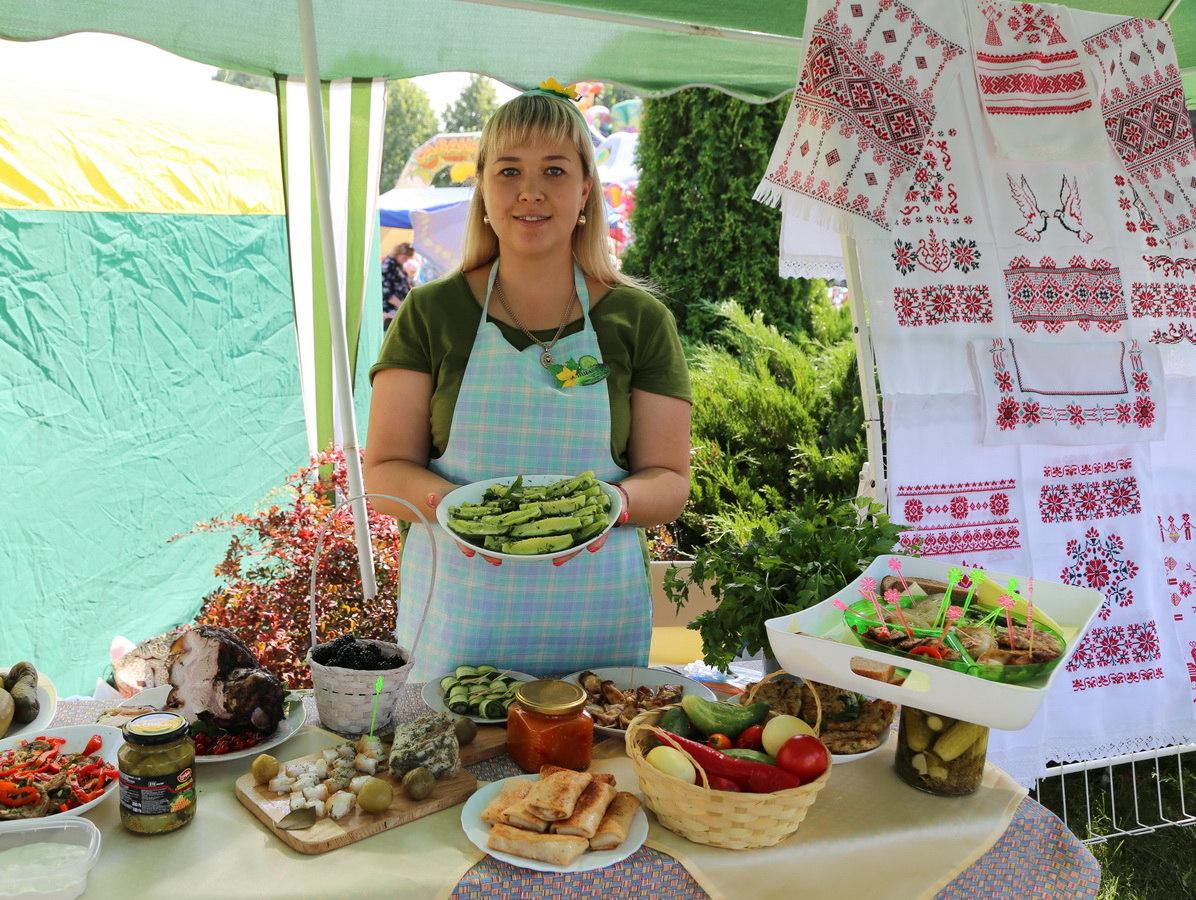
point(1137, 818)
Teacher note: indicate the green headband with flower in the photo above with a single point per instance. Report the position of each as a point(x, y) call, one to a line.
point(553, 88)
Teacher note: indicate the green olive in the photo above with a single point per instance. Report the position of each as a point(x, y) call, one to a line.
point(264, 768)
point(419, 783)
point(466, 730)
point(375, 795)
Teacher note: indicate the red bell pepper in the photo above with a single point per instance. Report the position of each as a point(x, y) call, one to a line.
point(93, 745)
point(13, 795)
point(752, 777)
point(927, 650)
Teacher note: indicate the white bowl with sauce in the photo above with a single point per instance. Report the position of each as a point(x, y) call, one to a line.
point(47, 859)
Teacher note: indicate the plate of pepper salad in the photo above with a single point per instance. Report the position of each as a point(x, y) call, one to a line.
point(58, 770)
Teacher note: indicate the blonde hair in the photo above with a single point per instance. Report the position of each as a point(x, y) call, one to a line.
point(523, 120)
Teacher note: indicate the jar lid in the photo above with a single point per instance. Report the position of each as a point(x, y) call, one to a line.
point(551, 698)
point(156, 728)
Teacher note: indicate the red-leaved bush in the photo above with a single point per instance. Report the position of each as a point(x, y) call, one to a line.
point(266, 572)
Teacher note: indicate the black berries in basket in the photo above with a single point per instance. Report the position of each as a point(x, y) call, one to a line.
point(347, 652)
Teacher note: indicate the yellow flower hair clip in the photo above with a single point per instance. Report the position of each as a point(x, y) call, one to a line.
point(556, 87)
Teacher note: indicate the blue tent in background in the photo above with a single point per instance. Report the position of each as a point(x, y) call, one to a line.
point(395, 207)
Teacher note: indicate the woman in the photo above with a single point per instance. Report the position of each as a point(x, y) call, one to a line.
point(396, 280)
point(463, 391)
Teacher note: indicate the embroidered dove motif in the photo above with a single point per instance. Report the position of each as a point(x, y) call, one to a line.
point(1069, 215)
point(1027, 205)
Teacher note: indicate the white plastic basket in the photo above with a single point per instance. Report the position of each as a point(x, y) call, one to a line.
point(825, 647)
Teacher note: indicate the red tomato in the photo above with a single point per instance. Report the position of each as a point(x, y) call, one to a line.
point(803, 755)
point(752, 738)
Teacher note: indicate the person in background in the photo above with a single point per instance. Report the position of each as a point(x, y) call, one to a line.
point(477, 379)
point(396, 280)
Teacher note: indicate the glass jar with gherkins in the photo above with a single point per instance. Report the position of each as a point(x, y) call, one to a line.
point(939, 754)
point(157, 774)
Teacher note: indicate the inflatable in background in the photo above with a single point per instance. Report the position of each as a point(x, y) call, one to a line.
point(445, 151)
point(626, 116)
point(620, 175)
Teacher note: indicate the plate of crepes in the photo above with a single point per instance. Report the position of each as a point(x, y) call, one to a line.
point(58, 771)
point(234, 747)
point(853, 726)
point(617, 694)
point(530, 517)
point(557, 821)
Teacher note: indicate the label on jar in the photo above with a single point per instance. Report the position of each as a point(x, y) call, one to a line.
point(156, 795)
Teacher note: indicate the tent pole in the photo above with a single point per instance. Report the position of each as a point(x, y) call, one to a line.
point(862, 334)
point(342, 381)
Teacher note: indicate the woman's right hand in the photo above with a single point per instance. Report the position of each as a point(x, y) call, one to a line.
point(469, 550)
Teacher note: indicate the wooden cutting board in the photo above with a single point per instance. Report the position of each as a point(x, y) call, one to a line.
point(328, 834)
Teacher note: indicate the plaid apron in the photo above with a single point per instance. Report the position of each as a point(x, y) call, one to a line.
point(594, 610)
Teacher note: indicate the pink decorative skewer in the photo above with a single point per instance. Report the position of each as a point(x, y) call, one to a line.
point(894, 598)
point(1007, 603)
point(1030, 613)
point(895, 565)
point(953, 614)
point(839, 604)
point(868, 592)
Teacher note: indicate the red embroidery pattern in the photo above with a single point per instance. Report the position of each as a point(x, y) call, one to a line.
point(1180, 579)
point(1136, 411)
point(1134, 677)
point(933, 198)
point(935, 254)
point(1096, 563)
point(1028, 78)
point(875, 90)
point(1089, 500)
point(942, 304)
point(1171, 267)
point(1142, 102)
point(1070, 470)
point(1175, 334)
point(1117, 645)
point(1080, 292)
point(1153, 298)
point(1137, 216)
point(950, 519)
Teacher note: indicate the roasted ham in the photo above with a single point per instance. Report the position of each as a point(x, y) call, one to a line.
point(216, 679)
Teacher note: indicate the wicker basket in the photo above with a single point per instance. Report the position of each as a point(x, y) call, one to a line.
point(345, 697)
point(720, 818)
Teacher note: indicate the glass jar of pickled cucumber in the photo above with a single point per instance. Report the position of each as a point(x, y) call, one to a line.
point(157, 774)
point(939, 754)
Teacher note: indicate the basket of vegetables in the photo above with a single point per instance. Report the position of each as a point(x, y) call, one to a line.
point(731, 776)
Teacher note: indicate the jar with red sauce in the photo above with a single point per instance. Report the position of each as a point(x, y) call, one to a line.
point(548, 724)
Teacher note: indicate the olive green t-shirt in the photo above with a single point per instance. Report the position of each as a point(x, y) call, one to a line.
point(434, 330)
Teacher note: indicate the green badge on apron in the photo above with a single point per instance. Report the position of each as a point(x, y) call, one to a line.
point(587, 370)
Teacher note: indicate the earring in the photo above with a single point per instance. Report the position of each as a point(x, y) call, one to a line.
point(485, 218)
point(581, 218)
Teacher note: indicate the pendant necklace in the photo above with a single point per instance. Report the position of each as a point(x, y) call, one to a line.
point(546, 358)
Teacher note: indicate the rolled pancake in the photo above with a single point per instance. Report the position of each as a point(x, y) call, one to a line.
point(613, 828)
point(550, 769)
point(554, 797)
point(591, 806)
point(519, 815)
point(511, 792)
point(555, 849)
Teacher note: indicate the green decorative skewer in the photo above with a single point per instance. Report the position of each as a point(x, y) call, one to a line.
point(953, 578)
point(374, 714)
point(977, 577)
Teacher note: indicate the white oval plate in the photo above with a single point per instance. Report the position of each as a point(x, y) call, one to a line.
point(478, 832)
point(76, 737)
point(432, 696)
point(47, 697)
point(472, 493)
point(625, 677)
point(156, 696)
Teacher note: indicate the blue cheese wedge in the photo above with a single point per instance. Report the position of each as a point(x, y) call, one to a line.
point(429, 741)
